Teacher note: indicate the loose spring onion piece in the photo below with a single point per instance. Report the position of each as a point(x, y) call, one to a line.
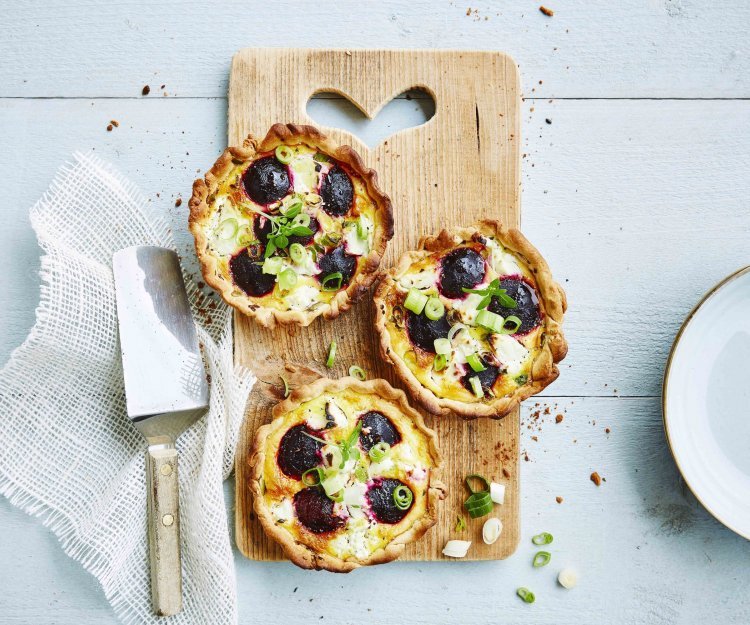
point(357, 372)
point(460, 524)
point(515, 324)
point(442, 346)
point(287, 279)
point(402, 497)
point(567, 578)
point(478, 505)
point(227, 229)
point(331, 354)
point(415, 301)
point(545, 538)
point(526, 595)
point(476, 386)
point(434, 309)
point(440, 362)
point(332, 282)
point(489, 320)
point(491, 530)
point(317, 478)
point(475, 362)
point(273, 265)
point(497, 492)
point(483, 480)
point(286, 386)
point(296, 252)
point(456, 548)
point(542, 558)
point(284, 154)
point(379, 451)
point(361, 474)
point(455, 330)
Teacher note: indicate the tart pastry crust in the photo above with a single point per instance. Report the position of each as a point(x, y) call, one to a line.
point(541, 365)
point(220, 278)
point(309, 550)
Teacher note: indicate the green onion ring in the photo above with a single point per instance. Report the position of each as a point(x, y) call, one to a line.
point(440, 362)
point(296, 252)
point(526, 595)
point(542, 558)
point(516, 324)
point(284, 154)
point(475, 362)
point(287, 279)
point(301, 220)
point(227, 229)
point(318, 473)
point(434, 309)
point(402, 497)
point(331, 354)
point(481, 478)
point(334, 279)
point(545, 538)
point(415, 301)
point(379, 451)
point(357, 372)
point(455, 330)
point(361, 474)
point(478, 505)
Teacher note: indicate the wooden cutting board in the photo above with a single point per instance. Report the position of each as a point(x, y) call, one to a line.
point(460, 166)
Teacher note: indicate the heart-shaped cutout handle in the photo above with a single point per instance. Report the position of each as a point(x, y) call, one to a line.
point(410, 109)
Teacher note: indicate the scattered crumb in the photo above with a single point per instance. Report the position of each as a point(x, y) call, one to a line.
point(558, 418)
point(559, 499)
point(178, 201)
point(607, 430)
point(115, 123)
point(548, 120)
point(109, 128)
point(546, 11)
point(468, 11)
point(506, 473)
point(596, 478)
point(146, 90)
point(535, 438)
point(162, 87)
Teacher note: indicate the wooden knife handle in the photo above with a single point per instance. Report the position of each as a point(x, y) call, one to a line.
point(164, 530)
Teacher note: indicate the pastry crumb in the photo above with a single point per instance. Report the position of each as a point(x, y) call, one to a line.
point(547, 11)
point(109, 127)
point(146, 90)
point(596, 478)
point(558, 418)
point(115, 123)
point(559, 499)
point(178, 201)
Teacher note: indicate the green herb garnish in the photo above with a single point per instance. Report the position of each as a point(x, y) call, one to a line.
point(493, 290)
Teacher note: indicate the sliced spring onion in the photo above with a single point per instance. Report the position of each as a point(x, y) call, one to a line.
point(317, 476)
point(489, 320)
point(284, 154)
point(245, 236)
point(332, 282)
point(273, 265)
point(526, 595)
point(301, 221)
point(491, 530)
point(434, 309)
point(455, 330)
point(440, 362)
point(545, 538)
point(331, 354)
point(460, 524)
point(287, 279)
point(334, 483)
point(415, 301)
point(402, 497)
point(227, 229)
point(442, 346)
point(357, 372)
point(497, 493)
point(475, 362)
point(361, 474)
point(476, 386)
point(478, 505)
point(379, 451)
point(361, 230)
point(296, 252)
point(542, 558)
point(286, 386)
point(567, 578)
point(511, 325)
point(338, 496)
point(483, 480)
point(456, 548)
point(333, 457)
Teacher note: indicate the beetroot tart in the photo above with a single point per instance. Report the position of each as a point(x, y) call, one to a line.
point(345, 475)
point(472, 321)
point(291, 227)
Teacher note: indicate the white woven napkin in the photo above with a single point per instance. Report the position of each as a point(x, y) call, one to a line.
point(68, 453)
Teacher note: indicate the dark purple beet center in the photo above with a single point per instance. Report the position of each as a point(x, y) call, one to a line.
point(247, 273)
point(266, 180)
point(460, 269)
point(527, 304)
point(486, 378)
point(315, 510)
point(337, 192)
point(423, 331)
point(298, 452)
point(382, 505)
point(337, 261)
point(377, 428)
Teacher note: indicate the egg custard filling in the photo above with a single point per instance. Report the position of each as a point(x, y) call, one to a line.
point(345, 474)
point(290, 228)
point(472, 321)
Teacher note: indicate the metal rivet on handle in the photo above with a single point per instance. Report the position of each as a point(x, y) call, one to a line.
point(166, 469)
point(167, 519)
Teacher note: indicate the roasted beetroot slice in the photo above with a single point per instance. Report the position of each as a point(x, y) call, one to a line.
point(266, 180)
point(248, 274)
point(377, 428)
point(337, 261)
point(307, 239)
point(460, 269)
point(486, 378)
point(423, 331)
point(380, 496)
point(337, 192)
point(262, 227)
point(527, 304)
point(298, 452)
point(315, 511)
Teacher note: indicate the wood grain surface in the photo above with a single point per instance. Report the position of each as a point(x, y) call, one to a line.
point(460, 166)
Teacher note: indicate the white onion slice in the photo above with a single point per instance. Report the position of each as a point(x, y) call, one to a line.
point(456, 548)
point(491, 530)
point(497, 492)
point(568, 578)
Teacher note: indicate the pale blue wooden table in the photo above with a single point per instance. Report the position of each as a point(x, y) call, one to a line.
point(637, 193)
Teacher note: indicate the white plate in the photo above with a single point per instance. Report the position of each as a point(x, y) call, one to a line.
point(706, 401)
